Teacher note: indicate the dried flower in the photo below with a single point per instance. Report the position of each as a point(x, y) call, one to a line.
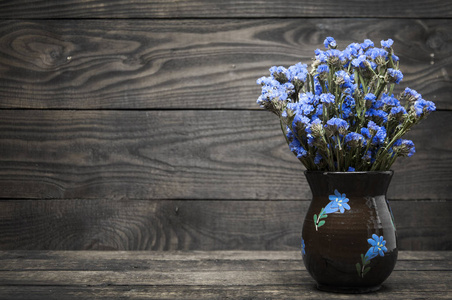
point(342, 116)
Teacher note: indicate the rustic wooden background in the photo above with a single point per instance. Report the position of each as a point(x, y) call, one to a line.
point(132, 125)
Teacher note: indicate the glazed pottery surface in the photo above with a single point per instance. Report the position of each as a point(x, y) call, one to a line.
point(349, 241)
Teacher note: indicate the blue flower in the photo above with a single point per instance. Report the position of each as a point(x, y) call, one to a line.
point(369, 156)
point(323, 69)
point(330, 43)
point(308, 98)
point(352, 51)
point(327, 98)
point(389, 100)
point(370, 97)
point(296, 147)
point(373, 128)
point(397, 113)
point(301, 125)
point(394, 76)
point(380, 136)
point(377, 247)
point(404, 147)
point(318, 86)
point(318, 158)
point(297, 72)
point(351, 169)
point(359, 62)
point(320, 56)
point(387, 44)
point(367, 44)
point(379, 133)
point(336, 125)
point(411, 95)
point(279, 73)
point(423, 107)
point(343, 79)
point(338, 202)
point(273, 90)
point(348, 107)
point(355, 140)
point(335, 56)
point(378, 55)
point(366, 133)
point(377, 114)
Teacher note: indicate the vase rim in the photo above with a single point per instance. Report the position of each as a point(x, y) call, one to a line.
point(388, 172)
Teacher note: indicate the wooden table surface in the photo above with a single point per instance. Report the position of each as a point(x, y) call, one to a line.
point(201, 275)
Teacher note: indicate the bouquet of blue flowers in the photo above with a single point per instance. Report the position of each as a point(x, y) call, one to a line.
point(342, 115)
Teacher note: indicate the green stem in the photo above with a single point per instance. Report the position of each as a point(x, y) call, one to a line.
point(284, 131)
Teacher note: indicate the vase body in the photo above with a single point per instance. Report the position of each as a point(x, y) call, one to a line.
point(349, 241)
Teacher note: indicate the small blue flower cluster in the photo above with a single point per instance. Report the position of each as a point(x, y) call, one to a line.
point(338, 203)
point(341, 115)
point(377, 247)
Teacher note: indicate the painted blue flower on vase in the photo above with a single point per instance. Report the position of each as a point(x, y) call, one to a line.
point(338, 203)
point(377, 248)
point(303, 247)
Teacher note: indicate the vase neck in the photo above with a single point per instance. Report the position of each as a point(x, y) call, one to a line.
point(350, 183)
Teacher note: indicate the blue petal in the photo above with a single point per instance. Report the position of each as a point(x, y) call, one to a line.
point(337, 193)
point(372, 242)
point(375, 237)
point(370, 254)
point(332, 198)
point(346, 206)
point(330, 208)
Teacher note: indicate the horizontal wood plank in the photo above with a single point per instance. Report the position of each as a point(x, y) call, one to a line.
point(303, 291)
point(183, 155)
point(222, 9)
point(192, 225)
point(189, 277)
point(28, 259)
point(172, 261)
point(134, 64)
point(271, 274)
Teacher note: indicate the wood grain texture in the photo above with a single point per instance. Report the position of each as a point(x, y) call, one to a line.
point(192, 225)
point(303, 291)
point(183, 155)
point(35, 260)
point(223, 9)
point(130, 64)
point(235, 274)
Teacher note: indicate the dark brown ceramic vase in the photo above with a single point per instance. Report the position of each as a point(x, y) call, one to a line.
point(349, 241)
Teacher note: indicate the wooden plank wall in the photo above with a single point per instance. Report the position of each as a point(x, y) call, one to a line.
point(132, 125)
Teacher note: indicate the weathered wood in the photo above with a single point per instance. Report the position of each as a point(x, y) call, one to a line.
point(222, 9)
point(192, 225)
point(183, 155)
point(304, 291)
point(129, 64)
point(173, 261)
point(235, 274)
point(67, 259)
point(187, 277)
